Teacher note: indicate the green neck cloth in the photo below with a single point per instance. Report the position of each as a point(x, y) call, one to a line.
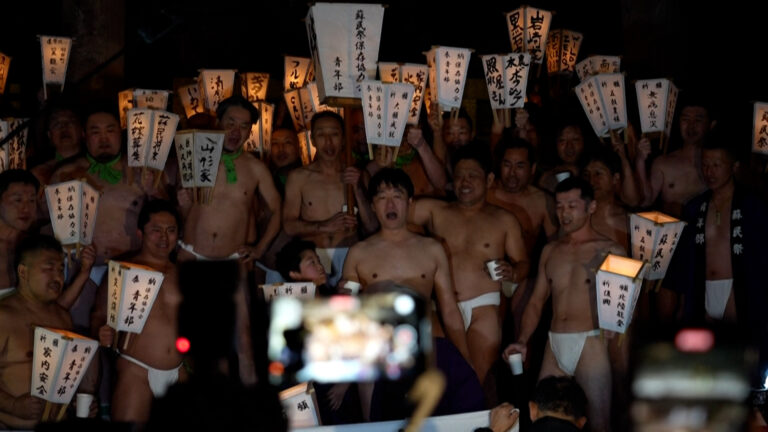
point(105, 170)
point(229, 164)
point(403, 160)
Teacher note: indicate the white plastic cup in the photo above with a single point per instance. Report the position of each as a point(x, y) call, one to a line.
point(84, 404)
point(492, 265)
point(562, 176)
point(353, 286)
point(516, 363)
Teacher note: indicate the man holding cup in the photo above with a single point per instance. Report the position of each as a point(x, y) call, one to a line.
point(567, 272)
point(478, 237)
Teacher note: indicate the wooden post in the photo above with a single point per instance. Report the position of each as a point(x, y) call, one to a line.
point(350, 161)
point(62, 411)
point(127, 339)
point(46, 411)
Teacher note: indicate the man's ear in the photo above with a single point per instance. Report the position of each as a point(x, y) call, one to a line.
point(140, 235)
point(533, 409)
point(294, 275)
point(489, 181)
point(533, 169)
point(581, 421)
point(21, 270)
point(592, 206)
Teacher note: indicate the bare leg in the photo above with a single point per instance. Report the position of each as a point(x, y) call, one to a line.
point(549, 365)
point(593, 373)
point(483, 339)
point(244, 345)
point(132, 398)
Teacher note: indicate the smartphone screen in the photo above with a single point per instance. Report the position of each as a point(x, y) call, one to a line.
point(344, 338)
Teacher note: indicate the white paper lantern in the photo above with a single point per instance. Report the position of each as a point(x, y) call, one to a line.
point(591, 98)
point(306, 147)
point(4, 148)
point(618, 284)
point(131, 293)
point(152, 99)
point(60, 359)
point(216, 85)
point(300, 405)
point(261, 131)
point(299, 104)
point(656, 100)
point(199, 153)
point(300, 290)
point(296, 71)
point(72, 206)
point(451, 75)
point(385, 111)
point(760, 128)
point(597, 64)
point(253, 85)
point(430, 93)
point(614, 98)
point(55, 52)
point(191, 100)
point(528, 28)
point(562, 50)
point(654, 236)
point(125, 102)
point(16, 148)
point(389, 72)
point(506, 77)
point(5, 64)
point(344, 42)
point(150, 135)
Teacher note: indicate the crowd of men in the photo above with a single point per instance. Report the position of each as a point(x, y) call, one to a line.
point(431, 219)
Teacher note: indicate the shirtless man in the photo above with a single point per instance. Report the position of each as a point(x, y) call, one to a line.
point(567, 272)
point(398, 255)
point(417, 159)
point(449, 134)
point(474, 233)
point(105, 168)
point(41, 280)
point(315, 196)
point(65, 133)
point(570, 148)
point(676, 176)
point(209, 232)
point(151, 362)
point(18, 209)
point(610, 218)
point(513, 191)
point(284, 156)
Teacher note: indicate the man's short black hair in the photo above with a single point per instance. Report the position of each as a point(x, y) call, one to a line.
point(157, 206)
point(477, 151)
point(59, 108)
point(560, 394)
point(697, 98)
point(289, 257)
point(606, 157)
point(33, 244)
point(511, 142)
point(717, 140)
point(7, 178)
point(463, 114)
point(326, 114)
point(585, 189)
point(100, 107)
point(237, 101)
point(392, 177)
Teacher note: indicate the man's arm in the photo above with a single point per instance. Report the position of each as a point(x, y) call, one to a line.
point(70, 295)
point(433, 167)
point(515, 249)
point(629, 192)
point(25, 406)
point(649, 187)
point(449, 310)
point(550, 224)
point(532, 313)
point(353, 176)
point(266, 187)
point(349, 270)
point(420, 212)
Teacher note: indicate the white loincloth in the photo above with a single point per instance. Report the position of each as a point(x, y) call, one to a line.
point(567, 348)
point(466, 306)
point(333, 262)
point(717, 294)
point(159, 380)
point(200, 257)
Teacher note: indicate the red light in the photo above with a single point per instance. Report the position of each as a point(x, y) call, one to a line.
point(276, 368)
point(694, 340)
point(183, 345)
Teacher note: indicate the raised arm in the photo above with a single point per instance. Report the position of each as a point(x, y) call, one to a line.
point(629, 193)
point(70, 295)
point(433, 167)
point(650, 187)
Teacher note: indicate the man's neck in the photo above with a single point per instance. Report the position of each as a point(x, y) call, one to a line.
point(724, 193)
point(104, 158)
point(395, 234)
point(66, 152)
point(472, 207)
point(8, 232)
point(32, 304)
point(583, 234)
point(328, 166)
point(156, 262)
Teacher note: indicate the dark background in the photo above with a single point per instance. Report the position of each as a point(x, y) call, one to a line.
point(718, 51)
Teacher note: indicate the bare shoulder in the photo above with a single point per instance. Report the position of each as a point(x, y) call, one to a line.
point(69, 170)
point(298, 175)
point(255, 163)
